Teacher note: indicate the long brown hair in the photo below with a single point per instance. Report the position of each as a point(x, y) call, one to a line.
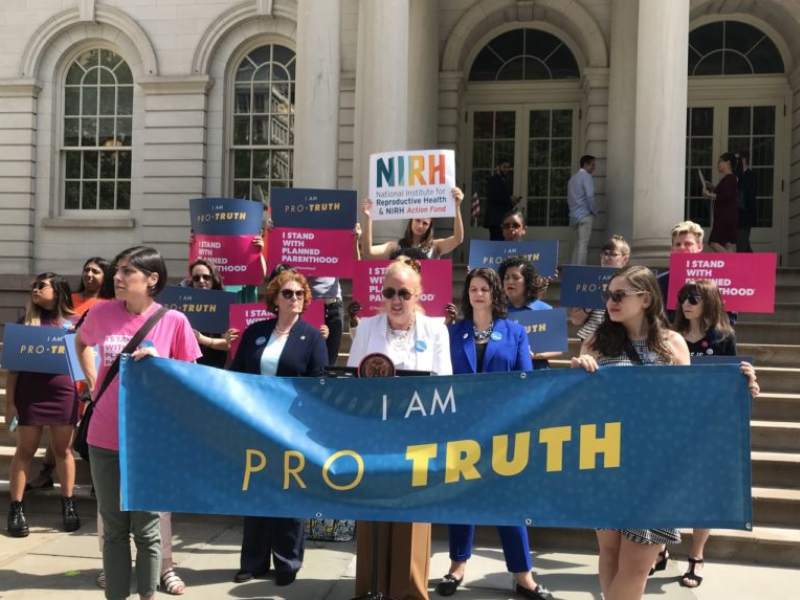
point(499, 299)
point(63, 295)
point(426, 243)
point(714, 315)
point(610, 337)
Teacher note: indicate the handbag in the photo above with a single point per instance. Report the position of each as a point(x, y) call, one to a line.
point(330, 530)
point(81, 443)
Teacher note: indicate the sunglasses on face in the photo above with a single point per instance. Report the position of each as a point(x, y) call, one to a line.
point(607, 254)
point(692, 298)
point(512, 226)
point(390, 293)
point(289, 294)
point(199, 278)
point(619, 296)
point(39, 286)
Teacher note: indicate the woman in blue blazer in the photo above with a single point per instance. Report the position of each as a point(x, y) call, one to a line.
point(486, 342)
point(283, 347)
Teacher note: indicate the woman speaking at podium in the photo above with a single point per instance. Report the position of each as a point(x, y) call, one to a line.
point(415, 342)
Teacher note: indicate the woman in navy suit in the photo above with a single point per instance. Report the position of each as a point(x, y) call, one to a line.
point(486, 342)
point(283, 347)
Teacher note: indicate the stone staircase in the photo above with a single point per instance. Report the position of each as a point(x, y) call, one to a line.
point(774, 343)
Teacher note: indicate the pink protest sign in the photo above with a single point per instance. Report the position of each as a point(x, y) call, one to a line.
point(746, 281)
point(312, 252)
point(437, 285)
point(244, 315)
point(236, 258)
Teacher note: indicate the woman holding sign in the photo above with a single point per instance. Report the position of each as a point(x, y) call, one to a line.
point(203, 275)
point(418, 234)
point(486, 342)
point(724, 230)
point(36, 400)
point(283, 347)
point(419, 343)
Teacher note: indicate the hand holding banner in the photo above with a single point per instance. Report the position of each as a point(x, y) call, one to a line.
point(412, 185)
point(315, 209)
point(543, 254)
point(437, 285)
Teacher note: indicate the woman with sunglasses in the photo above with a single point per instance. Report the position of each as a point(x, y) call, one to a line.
point(203, 275)
point(284, 347)
point(97, 284)
point(418, 234)
point(523, 286)
point(39, 400)
point(140, 275)
point(701, 319)
point(513, 226)
point(416, 342)
point(615, 253)
point(486, 342)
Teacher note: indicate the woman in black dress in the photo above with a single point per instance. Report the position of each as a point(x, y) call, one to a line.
point(726, 218)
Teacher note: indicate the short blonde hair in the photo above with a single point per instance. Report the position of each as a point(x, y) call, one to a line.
point(688, 227)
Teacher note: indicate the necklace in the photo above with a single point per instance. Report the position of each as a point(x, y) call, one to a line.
point(482, 335)
point(282, 332)
point(398, 339)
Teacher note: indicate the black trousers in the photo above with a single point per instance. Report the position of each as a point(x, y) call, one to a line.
point(743, 240)
point(268, 538)
point(334, 318)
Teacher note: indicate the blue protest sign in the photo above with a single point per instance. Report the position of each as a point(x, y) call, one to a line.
point(73, 364)
point(713, 359)
point(396, 449)
point(225, 216)
point(207, 310)
point(581, 286)
point(313, 209)
point(543, 254)
point(547, 329)
point(36, 349)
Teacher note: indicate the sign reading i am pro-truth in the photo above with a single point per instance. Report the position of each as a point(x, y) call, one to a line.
point(412, 185)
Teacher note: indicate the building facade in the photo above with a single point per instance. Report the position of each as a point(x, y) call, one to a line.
point(114, 113)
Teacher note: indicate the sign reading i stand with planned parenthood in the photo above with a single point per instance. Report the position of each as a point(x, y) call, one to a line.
point(315, 209)
point(223, 234)
point(543, 255)
point(437, 285)
point(412, 185)
point(312, 252)
point(746, 281)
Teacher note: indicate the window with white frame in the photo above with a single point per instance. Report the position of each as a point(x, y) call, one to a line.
point(98, 131)
point(261, 150)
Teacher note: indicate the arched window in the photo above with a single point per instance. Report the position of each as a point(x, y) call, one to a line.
point(263, 122)
point(732, 48)
point(96, 148)
point(524, 55)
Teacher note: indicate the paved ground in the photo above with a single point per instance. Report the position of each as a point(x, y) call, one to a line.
point(50, 564)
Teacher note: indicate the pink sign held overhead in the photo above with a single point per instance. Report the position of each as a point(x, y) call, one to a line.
point(437, 285)
point(244, 315)
point(236, 258)
point(746, 281)
point(312, 252)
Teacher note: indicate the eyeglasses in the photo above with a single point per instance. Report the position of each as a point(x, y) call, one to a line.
point(619, 296)
point(39, 286)
point(289, 294)
point(692, 298)
point(607, 254)
point(513, 225)
point(199, 278)
point(390, 293)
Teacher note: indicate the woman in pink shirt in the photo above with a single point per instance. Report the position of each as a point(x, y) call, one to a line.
point(140, 276)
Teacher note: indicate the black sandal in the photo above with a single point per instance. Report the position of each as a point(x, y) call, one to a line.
point(691, 575)
point(661, 563)
point(448, 585)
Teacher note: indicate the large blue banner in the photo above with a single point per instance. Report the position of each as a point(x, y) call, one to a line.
point(207, 310)
point(557, 448)
point(543, 254)
point(314, 209)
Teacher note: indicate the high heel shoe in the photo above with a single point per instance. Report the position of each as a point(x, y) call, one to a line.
point(661, 563)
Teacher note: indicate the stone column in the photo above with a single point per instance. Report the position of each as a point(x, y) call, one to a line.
point(660, 138)
point(382, 92)
point(621, 118)
point(316, 129)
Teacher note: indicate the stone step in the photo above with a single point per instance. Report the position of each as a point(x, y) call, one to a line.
point(788, 276)
point(785, 293)
point(768, 333)
point(784, 312)
point(775, 436)
point(778, 380)
point(776, 469)
point(771, 355)
point(777, 407)
point(83, 474)
point(776, 507)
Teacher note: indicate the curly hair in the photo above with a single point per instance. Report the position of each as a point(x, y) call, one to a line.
point(714, 315)
point(63, 297)
point(106, 291)
point(216, 280)
point(610, 337)
point(534, 284)
point(281, 279)
point(499, 299)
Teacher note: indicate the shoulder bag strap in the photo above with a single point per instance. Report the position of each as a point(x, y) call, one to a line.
point(135, 341)
point(633, 355)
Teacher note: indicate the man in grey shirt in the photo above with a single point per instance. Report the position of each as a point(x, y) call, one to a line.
point(582, 208)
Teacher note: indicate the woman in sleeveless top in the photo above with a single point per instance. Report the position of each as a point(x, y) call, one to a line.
point(418, 234)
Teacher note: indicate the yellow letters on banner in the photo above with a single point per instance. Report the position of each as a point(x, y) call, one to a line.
point(500, 462)
point(609, 446)
point(293, 471)
point(421, 456)
point(251, 468)
point(460, 459)
point(555, 437)
point(326, 467)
